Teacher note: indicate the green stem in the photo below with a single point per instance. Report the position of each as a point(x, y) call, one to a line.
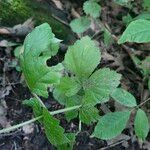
point(19, 125)
point(37, 118)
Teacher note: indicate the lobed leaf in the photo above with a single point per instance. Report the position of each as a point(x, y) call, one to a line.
point(88, 114)
point(39, 46)
point(111, 125)
point(141, 124)
point(137, 31)
point(69, 86)
point(100, 85)
point(82, 58)
point(124, 97)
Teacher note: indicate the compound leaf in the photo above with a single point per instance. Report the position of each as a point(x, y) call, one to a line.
point(54, 132)
point(137, 31)
point(39, 46)
point(124, 97)
point(111, 125)
point(92, 8)
point(80, 25)
point(141, 124)
point(82, 58)
point(100, 85)
point(88, 114)
point(69, 86)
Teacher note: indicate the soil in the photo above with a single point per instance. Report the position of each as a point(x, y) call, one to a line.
point(13, 91)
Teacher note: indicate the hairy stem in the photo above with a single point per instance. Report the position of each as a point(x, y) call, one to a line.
point(37, 118)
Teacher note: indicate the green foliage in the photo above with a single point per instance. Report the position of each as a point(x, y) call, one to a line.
point(88, 114)
point(100, 85)
point(146, 5)
point(145, 66)
point(69, 86)
point(107, 38)
point(124, 97)
point(127, 19)
point(34, 103)
point(111, 125)
point(144, 15)
point(54, 132)
point(39, 46)
point(80, 25)
point(141, 124)
point(137, 31)
point(123, 2)
point(92, 8)
point(79, 54)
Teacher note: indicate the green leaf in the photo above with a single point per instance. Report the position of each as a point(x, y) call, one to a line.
point(34, 103)
point(54, 132)
point(111, 125)
point(39, 46)
point(144, 15)
point(69, 86)
point(137, 31)
point(107, 38)
point(149, 83)
point(122, 2)
point(141, 124)
point(17, 51)
point(82, 58)
point(146, 5)
point(100, 85)
point(145, 65)
point(124, 97)
point(92, 8)
point(67, 102)
point(80, 25)
point(88, 114)
point(127, 19)
point(70, 102)
point(68, 146)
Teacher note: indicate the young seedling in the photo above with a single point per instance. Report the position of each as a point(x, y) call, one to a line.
point(79, 89)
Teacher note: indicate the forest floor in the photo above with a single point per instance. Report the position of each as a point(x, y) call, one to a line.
point(13, 89)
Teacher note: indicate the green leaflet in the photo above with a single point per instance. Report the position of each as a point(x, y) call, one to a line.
point(145, 66)
point(68, 146)
point(146, 5)
point(137, 31)
point(80, 25)
point(144, 15)
point(68, 102)
point(69, 86)
point(54, 132)
point(82, 58)
point(100, 85)
point(124, 97)
point(107, 38)
point(39, 46)
point(149, 83)
point(34, 103)
point(122, 2)
point(141, 124)
point(88, 114)
point(92, 8)
point(111, 125)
